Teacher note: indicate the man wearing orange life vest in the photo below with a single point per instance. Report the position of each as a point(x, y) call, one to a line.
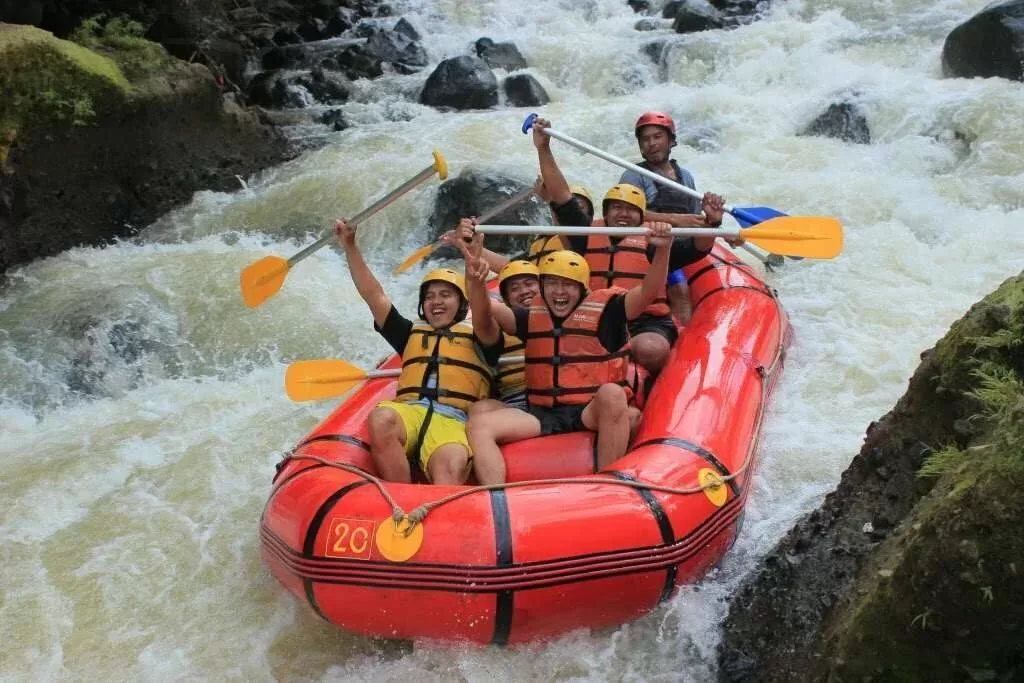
point(445, 369)
point(577, 348)
point(621, 262)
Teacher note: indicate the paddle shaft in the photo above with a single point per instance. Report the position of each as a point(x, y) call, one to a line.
point(395, 372)
point(416, 180)
point(728, 233)
point(656, 177)
point(506, 205)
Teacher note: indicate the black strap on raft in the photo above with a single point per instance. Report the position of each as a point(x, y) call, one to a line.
point(415, 471)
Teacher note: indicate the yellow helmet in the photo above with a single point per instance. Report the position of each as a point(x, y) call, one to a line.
point(445, 275)
point(581, 191)
point(451, 277)
point(567, 264)
point(542, 246)
point(515, 269)
point(624, 192)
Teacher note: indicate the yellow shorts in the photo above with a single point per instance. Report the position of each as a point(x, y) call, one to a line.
point(441, 431)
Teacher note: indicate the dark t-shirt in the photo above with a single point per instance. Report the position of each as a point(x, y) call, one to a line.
point(682, 253)
point(396, 330)
point(611, 328)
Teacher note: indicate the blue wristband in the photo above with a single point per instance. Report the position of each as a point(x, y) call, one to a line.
point(676, 277)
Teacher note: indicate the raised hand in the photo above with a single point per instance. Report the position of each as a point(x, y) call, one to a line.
point(713, 206)
point(541, 140)
point(346, 233)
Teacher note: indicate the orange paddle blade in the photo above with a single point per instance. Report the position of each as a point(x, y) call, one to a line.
point(262, 279)
point(415, 257)
point(312, 380)
point(806, 236)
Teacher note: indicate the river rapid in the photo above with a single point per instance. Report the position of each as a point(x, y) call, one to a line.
point(142, 407)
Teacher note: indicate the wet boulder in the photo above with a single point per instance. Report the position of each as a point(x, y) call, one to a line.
point(287, 36)
point(282, 57)
point(523, 90)
point(647, 24)
point(474, 192)
point(357, 63)
point(670, 9)
point(312, 29)
point(327, 87)
point(323, 9)
point(262, 89)
point(407, 29)
point(500, 55)
point(693, 16)
point(291, 90)
point(842, 121)
point(334, 119)
point(461, 83)
point(341, 20)
point(397, 48)
point(989, 44)
point(639, 6)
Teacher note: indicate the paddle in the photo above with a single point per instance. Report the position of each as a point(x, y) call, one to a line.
point(426, 250)
point(262, 279)
point(819, 237)
point(313, 380)
point(746, 216)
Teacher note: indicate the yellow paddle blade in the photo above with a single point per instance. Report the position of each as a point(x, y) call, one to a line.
point(414, 258)
point(312, 380)
point(262, 279)
point(806, 236)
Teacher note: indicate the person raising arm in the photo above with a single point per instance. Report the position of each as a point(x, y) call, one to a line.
point(445, 369)
point(577, 344)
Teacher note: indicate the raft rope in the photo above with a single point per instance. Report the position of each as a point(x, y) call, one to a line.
point(418, 514)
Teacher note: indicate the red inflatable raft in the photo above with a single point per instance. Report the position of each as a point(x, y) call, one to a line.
point(540, 557)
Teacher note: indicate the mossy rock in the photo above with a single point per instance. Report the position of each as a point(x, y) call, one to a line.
point(948, 601)
point(45, 80)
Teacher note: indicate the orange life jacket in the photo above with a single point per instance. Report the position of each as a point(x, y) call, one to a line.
point(565, 366)
point(622, 264)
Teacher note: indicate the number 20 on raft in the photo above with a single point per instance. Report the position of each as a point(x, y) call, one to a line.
point(350, 538)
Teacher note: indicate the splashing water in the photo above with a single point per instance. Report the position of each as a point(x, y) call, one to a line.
point(142, 406)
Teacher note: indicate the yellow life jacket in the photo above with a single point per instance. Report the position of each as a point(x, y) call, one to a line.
point(512, 378)
point(463, 375)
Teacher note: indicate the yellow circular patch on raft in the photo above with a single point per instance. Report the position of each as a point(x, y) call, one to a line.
point(396, 542)
point(714, 487)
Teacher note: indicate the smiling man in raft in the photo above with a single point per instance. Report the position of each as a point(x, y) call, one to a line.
point(445, 369)
point(577, 353)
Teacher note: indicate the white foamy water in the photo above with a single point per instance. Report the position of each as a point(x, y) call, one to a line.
point(142, 406)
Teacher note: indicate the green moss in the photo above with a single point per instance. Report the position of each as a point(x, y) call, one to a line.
point(121, 39)
point(943, 598)
point(45, 80)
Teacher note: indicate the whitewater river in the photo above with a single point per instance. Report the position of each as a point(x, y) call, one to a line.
point(142, 407)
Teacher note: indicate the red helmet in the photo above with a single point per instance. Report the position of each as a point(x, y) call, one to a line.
point(656, 118)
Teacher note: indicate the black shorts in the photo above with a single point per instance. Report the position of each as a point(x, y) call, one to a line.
point(559, 419)
point(663, 325)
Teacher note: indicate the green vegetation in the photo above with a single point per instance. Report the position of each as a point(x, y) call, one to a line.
point(987, 349)
point(45, 80)
point(121, 39)
point(942, 598)
point(48, 81)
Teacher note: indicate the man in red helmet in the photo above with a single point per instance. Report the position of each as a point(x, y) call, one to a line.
point(656, 136)
point(619, 261)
